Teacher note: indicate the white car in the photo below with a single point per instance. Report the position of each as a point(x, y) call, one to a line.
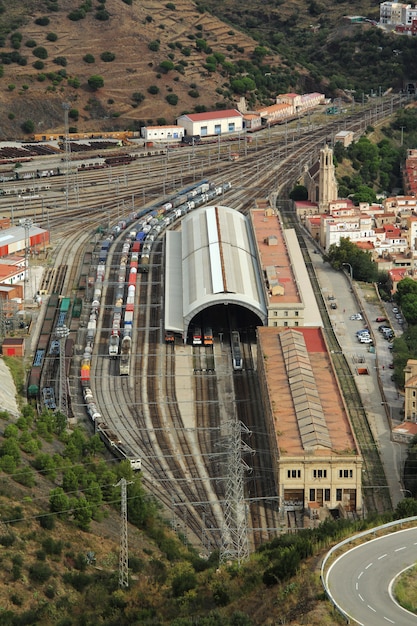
point(365, 339)
point(356, 316)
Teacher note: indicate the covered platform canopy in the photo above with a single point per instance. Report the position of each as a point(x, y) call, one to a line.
point(211, 261)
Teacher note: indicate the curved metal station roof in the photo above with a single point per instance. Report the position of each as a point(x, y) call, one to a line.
point(210, 261)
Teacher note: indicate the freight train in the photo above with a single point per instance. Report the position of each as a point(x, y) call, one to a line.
point(148, 224)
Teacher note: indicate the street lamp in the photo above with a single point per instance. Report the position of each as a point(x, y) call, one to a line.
point(350, 270)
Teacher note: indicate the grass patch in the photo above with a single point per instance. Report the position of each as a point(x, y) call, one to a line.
point(405, 590)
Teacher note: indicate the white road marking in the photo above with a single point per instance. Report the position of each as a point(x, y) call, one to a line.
point(372, 608)
point(389, 620)
point(382, 557)
point(369, 565)
point(399, 549)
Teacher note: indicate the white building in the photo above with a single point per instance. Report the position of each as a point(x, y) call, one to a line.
point(212, 123)
point(397, 13)
point(162, 133)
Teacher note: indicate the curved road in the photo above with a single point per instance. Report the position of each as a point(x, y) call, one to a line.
point(360, 580)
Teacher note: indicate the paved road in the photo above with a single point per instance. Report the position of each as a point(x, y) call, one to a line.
point(360, 580)
point(350, 301)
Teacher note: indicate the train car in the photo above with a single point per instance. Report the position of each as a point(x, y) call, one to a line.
point(77, 308)
point(169, 337)
point(208, 336)
point(236, 352)
point(197, 337)
point(125, 355)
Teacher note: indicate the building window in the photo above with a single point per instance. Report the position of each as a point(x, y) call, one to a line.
point(296, 313)
point(217, 129)
point(295, 323)
point(294, 473)
point(285, 323)
point(275, 313)
point(327, 495)
point(231, 127)
point(312, 495)
point(339, 495)
point(285, 313)
point(319, 473)
point(203, 131)
point(345, 473)
point(275, 324)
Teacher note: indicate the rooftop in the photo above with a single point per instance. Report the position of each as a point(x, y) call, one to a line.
point(310, 414)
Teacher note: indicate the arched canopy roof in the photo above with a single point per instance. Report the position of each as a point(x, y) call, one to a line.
point(211, 261)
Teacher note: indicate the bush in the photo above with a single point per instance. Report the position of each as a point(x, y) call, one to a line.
point(154, 46)
point(40, 52)
point(193, 93)
point(40, 572)
point(39, 65)
point(172, 99)
point(88, 58)
point(74, 82)
point(31, 43)
point(73, 114)
point(166, 66)
point(138, 97)
point(47, 522)
point(51, 37)
point(107, 56)
point(95, 82)
point(170, 6)
point(78, 14)
point(42, 21)
point(60, 61)
point(102, 15)
point(153, 89)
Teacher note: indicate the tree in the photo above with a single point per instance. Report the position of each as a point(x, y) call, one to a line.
point(28, 127)
point(107, 56)
point(299, 192)
point(82, 512)
point(88, 58)
point(166, 66)
point(40, 52)
point(95, 82)
point(59, 501)
point(172, 98)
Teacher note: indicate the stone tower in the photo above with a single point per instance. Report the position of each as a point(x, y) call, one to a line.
point(327, 179)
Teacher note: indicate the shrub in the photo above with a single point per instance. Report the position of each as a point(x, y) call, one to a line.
point(102, 15)
point(60, 61)
point(31, 43)
point(170, 6)
point(39, 65)
point(154, 46)
point(107, 56)
point(47, 522)
point(41, 78)
point(95, 82)
point(153, 89)
point(73, 114)
point(42, 21)
point(138, 97)
point(40, 52)
point(78, 14)
point(193, 93)
point(11, 116)
point(40, 572)
point(74, 82)
point(129, 2)
point(166, 66)
point(149, 19)
point(172, 99)
point(88, 58)
point(51, 37)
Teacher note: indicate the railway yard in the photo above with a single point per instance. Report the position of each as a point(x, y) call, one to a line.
point(171, 413)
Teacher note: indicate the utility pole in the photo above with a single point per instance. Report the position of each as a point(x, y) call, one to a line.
point(234, 542)
point(27, 225)
point(67, 146)
point(124, 552)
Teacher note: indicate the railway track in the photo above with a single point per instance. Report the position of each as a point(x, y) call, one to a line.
point(143, 407)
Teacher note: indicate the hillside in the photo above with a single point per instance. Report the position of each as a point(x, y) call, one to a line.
point(130, 30)
point(163, 58)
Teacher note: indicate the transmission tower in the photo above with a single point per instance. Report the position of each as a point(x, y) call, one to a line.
point(27, 225)
point(124, 553)
point(67, 143)
point(62, 333)
point(235, 545)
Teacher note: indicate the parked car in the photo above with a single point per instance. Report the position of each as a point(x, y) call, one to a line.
point(395, 310)
point(365, 339)
point(381, 319)
point(333, 305)
point(383, 328)
point(356, 316)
